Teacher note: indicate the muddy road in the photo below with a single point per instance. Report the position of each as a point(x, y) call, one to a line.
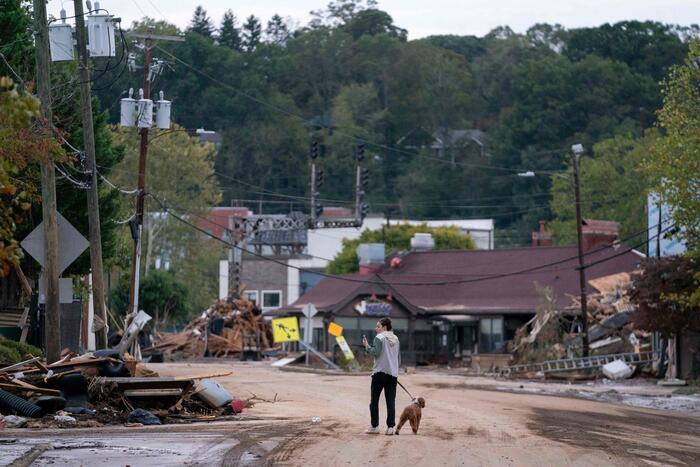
point(460, 426)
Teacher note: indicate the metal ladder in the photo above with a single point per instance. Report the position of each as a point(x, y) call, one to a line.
point(572, 364)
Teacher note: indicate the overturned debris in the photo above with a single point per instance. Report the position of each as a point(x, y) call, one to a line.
point(227, 327)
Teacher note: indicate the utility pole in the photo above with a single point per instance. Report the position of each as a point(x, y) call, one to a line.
point(137, 226)
point(48, 189)
point(576, 152)
point(98, 293)
point(138, 220)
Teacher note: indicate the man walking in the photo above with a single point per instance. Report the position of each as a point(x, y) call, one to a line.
point(385, 350)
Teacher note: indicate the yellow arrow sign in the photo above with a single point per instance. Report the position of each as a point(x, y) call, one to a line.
point(285, 329)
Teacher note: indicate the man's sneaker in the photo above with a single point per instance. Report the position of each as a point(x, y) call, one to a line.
point(372, 430)
point(389, 431)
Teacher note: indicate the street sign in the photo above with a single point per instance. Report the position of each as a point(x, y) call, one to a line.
point(285, 329)
point(70, 243)
point(345, 347)
point(309, 310)
point(335, 329)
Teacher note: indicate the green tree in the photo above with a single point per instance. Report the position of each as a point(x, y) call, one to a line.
point(229, 34)
point(201, 23)
point(277, 32)
point(252, 33)
point(397, 238)
point(161, 294)
point(16, 43)
point(613, 187)
point(674, 162)
point(23, 143)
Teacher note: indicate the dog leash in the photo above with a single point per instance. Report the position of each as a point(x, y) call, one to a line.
point(402, 387)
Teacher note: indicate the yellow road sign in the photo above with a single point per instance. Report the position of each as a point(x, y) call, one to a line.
point(285, 329)
point(344, 347)
point(335, 329)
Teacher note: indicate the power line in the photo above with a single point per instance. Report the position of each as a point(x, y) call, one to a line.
point(383, 282)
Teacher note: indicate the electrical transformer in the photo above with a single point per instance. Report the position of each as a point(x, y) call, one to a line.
point(129, 107)
point(163, 113)
point(61, 40)
point(100, 30)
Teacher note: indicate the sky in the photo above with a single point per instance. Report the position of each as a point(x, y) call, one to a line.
point(420, 17)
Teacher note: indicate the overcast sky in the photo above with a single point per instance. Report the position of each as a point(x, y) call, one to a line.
point(422, 17)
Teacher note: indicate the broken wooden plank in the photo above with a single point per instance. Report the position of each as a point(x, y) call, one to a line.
point(16, 366)
point(31, 387)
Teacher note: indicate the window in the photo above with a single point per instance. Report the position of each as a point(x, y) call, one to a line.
point(491, 335)
point(251, 295)
point(271, 298)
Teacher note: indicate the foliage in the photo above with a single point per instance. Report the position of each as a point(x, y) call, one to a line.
point(14, 352)
point(397, 238)
point(201, 23)
point(252, 33)
point(613, 187)
point(179, 172)
point(674, 162)
point(351, 74)
point(668, 295)
point(16, 42)
point(229, 34)
point(23, 143)
point(161, 295)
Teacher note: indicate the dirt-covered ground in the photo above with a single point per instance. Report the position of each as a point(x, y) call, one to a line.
point(466, 421)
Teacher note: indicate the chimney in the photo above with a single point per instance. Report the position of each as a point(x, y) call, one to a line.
point(543, 237)
point(422, 242)
point(599, 233)
point(371, 257)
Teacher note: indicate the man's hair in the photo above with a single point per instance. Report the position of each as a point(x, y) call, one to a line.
point(386, 322)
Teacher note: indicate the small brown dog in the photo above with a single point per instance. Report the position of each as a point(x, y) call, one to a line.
point(412, 413)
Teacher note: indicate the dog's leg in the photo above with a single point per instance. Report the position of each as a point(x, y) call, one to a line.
point(415, 430)
point(414, 424)
point(402, 420)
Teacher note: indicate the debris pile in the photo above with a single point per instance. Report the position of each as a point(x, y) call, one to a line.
point(554, 333)
point(103, 388)
point(227, 327)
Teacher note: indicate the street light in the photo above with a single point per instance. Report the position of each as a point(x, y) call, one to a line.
point(576, 153)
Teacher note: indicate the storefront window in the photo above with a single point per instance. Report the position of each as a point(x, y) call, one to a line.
point(491, 335)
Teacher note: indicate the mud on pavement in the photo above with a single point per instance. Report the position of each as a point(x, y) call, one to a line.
point(634, 434)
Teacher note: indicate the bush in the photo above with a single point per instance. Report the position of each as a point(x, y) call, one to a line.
point(13, 352)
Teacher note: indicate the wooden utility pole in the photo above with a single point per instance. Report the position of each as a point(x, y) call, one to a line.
point(577, 150)
point(98, 293)
point(137, 227)
point(52, 324)
point(138, 219)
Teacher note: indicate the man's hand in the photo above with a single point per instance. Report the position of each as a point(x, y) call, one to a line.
point(364, 341)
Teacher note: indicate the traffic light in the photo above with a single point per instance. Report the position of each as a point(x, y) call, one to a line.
point(314, 149)
point(318, 209)
point(364, 177)
point(360, 151)
point(319, 178)
point(364, 210)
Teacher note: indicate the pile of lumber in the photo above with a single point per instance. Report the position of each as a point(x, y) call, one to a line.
point(227, 327)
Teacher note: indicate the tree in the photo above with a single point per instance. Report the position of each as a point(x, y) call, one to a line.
point(16, 43)
point(277, 31)
point(668, 295)
point(613, 187)
point(23, 144)
point(397, 238)
point(229, 34)
point(674, 162)
point(161, 295)
point(252, 33)
point(180, 172)
point(201, 23)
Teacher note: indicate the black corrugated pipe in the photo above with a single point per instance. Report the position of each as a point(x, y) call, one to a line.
point(10, 402)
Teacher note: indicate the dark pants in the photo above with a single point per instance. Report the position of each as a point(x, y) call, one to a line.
point(383, 381)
